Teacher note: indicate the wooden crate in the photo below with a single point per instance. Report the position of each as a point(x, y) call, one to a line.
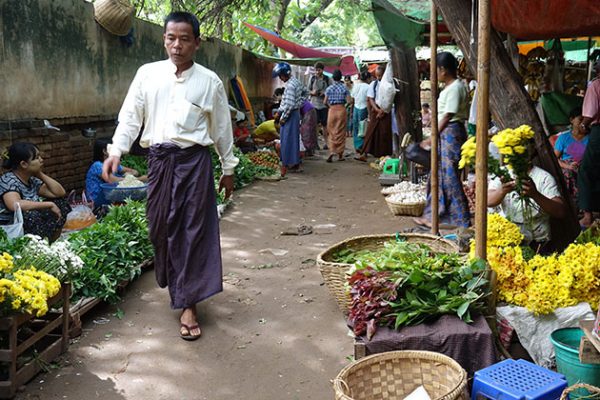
point(49, 337)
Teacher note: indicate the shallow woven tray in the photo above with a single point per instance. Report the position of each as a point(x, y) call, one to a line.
point(334, 273)
point(394, 375)
point(413, 209)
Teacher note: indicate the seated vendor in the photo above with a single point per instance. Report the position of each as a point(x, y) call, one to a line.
point(546, 203)
point(266, 133)
point(241, 136)
point(93, 178)
point(28, 186)
point(569, 149)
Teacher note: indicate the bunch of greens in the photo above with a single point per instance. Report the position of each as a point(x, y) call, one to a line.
point(590, 235)
point(426, 285)
point(139, 163)
point(11, 246)
point(111, 251)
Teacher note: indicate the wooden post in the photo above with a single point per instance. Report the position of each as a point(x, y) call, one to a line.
point(434, 178)
point(483, 97)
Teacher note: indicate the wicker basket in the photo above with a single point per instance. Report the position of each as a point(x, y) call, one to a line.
point(594, 392)
point(334, 273)
point(395, 374)
point(116, 16)
point(413, 209)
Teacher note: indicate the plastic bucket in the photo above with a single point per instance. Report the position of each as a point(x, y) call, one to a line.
point(566, 346)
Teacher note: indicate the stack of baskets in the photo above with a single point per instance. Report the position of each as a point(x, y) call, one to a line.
point(396, 374)
point(334, 273)
point(116, 16)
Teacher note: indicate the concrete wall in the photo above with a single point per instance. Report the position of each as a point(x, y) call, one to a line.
point(57, 63)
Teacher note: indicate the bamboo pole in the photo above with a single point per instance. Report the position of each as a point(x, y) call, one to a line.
point(588, 71)
point(483, 97)
point(434, 178)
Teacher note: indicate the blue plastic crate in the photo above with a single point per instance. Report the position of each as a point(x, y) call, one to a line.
point(518, 380)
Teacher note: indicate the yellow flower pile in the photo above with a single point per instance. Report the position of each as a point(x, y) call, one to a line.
point(543, 283)
point(25, 290)
point(513, 141)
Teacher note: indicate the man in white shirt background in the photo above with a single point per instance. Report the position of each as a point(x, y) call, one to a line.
point(183, 107)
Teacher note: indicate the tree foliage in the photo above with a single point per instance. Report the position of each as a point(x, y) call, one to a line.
point(311, 22)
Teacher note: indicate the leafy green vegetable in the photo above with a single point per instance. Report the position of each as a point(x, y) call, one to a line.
point(112, 251)
point(139, 163)
point(427, 284)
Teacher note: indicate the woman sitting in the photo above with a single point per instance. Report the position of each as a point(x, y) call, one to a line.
point(569, 149)
point(26, 185)
point(93, 178)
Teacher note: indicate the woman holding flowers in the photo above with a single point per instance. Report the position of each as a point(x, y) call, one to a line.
point(27, 185)
point(452, 112)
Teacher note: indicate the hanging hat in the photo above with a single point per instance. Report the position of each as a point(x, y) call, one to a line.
point(116, 16)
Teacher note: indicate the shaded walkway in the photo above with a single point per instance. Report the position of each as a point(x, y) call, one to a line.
point(274, 333)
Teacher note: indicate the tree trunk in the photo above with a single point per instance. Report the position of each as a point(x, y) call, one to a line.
point(407, 102)
point(309, 19)
point(283, 6)
point(510, 104)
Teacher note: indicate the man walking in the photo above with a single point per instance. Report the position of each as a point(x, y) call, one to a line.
point(316, 87)
point(289, 117)
point(183, 107)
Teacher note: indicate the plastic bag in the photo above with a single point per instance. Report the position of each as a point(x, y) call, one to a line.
point(16, 229)
point(362, 128)
point(386, 90)
point(81, 215)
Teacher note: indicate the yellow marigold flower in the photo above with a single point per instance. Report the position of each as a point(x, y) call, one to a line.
point(520, 149)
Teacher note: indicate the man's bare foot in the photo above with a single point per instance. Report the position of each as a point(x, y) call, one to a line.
point(189, 329)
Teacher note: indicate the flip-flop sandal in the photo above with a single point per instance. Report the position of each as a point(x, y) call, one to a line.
point(189, 329)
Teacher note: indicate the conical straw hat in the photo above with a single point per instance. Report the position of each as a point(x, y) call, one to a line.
point(116, 16)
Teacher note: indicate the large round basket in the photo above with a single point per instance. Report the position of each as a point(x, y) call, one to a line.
point(413, 209)
point(334, 273)
point(396, 374)
point(116, 16)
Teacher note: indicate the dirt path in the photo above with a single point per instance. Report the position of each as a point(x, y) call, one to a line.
point(274, 333)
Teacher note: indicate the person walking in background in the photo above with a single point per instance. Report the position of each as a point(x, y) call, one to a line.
point(360, 113)
point(289, 118)
point(349, 106)
point(308, 127)
point(452, 112)
point(316, 88)
point(336, 97)
point(378, 139)
point(588, 178)
point(183, 107)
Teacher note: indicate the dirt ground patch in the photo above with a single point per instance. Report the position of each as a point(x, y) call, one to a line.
point(274, 333)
